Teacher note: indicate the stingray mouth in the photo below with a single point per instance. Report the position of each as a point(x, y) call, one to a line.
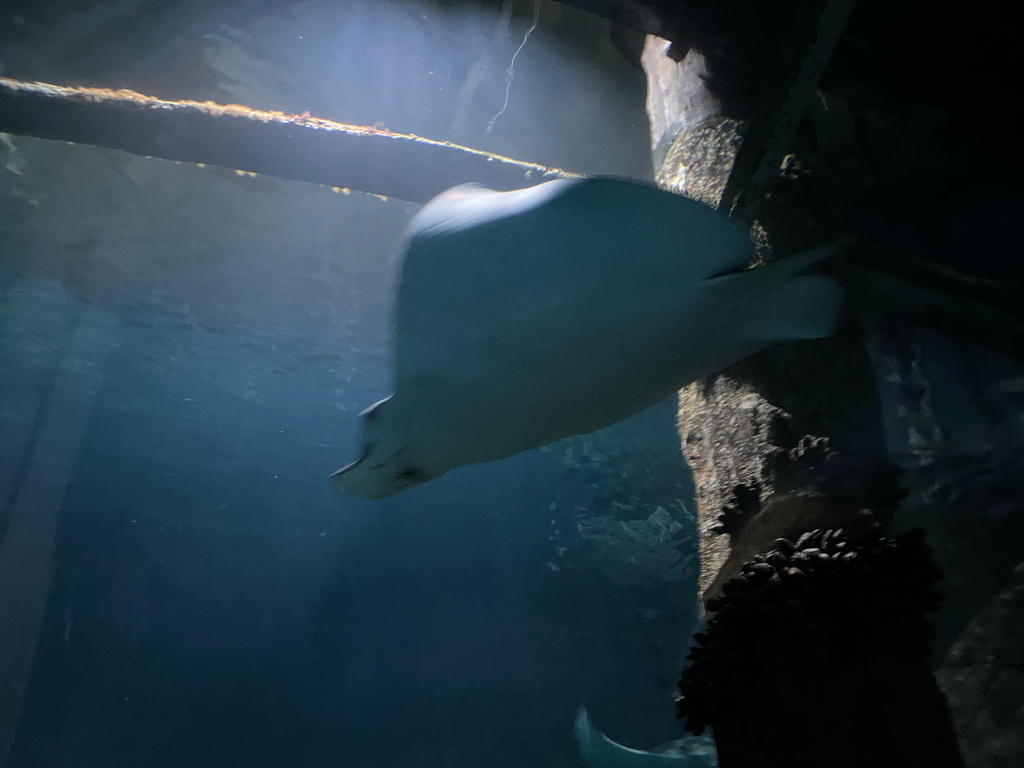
point(385, 465)
point(378, 480)
point(356, 479)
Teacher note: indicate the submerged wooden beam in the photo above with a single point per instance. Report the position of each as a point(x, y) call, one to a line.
point(297, 147)
point(781, 108)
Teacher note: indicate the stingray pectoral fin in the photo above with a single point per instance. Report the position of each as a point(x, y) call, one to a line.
point(804, 307)
point(598, 751)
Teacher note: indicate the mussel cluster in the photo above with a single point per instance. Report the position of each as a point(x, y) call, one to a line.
point(850, 596)
point(744, 503)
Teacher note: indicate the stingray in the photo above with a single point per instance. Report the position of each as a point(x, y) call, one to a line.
point(525, 317)
point(598, 751)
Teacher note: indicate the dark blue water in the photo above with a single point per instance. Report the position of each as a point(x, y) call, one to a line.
point(212, 600)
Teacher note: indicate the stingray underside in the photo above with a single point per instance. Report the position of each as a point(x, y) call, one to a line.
point(484, 261)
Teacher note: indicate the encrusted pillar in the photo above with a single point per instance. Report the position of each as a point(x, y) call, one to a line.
point(818, 654)
point(790, 441)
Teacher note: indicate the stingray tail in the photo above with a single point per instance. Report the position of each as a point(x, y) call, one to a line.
point(598, 751)
point(805, 307)
point(783, 303)
point(797, 262)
